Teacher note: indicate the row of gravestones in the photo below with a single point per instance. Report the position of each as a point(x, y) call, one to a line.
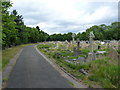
point(77, 51)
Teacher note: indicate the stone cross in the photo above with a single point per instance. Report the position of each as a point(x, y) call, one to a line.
point(91, 36)
point(73, 36)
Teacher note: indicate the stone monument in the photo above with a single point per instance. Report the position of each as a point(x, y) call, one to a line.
point(73, 41)
point(91, 54)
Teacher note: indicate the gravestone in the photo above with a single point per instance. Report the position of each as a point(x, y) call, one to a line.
point(81, 59)
point(67, 44)
point(99, 46)
point(91, 41)
point(73, 37)
point(78, 43)
point(91, 54)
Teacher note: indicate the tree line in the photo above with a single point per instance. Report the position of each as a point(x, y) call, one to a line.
point(15, 32)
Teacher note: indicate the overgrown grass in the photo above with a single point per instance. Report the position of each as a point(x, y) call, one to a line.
point(103, 72)
point(43, 46)
point(9, 53)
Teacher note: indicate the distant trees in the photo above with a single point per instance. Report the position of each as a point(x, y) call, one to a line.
point(15, 32)
point(60, 37)
point(102, 32)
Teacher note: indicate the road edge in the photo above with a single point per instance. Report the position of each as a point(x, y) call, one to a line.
point(6, 72)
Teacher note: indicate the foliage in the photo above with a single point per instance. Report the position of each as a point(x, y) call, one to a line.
point(14, 32)
point(102, 32)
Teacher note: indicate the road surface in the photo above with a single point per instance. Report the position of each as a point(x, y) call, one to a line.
point(33, 71)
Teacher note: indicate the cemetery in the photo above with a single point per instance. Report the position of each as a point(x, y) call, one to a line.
point(59, 44)
point(86, 61)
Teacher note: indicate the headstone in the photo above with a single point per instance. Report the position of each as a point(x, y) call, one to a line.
point(91, 53)
point(91, 41)
point(67, 44)
point(99, 46)
point(78, 43)
point(73, 37)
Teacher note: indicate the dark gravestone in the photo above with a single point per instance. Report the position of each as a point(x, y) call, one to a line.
point(78, 43)
point(99, 46)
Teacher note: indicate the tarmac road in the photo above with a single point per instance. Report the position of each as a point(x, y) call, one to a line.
point(33, 71)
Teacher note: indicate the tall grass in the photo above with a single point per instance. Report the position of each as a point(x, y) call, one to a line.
point(104, 72)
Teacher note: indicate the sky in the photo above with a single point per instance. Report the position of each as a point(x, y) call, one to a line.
point(63, 16)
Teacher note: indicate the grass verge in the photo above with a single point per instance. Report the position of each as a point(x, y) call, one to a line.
point(9, 53)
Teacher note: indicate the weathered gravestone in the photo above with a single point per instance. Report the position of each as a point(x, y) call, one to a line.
point(73, 37)
point(77, 50)
point(81, 59)
point(67, 44)
point(91, 54)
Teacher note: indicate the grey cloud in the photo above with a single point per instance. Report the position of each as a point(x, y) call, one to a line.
point(36, 13)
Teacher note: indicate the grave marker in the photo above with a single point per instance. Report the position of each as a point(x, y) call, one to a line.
point(91, 55)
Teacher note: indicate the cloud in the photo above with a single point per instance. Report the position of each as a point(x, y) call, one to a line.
point(62, 16)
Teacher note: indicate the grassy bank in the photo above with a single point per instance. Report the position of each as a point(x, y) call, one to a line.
point(9, 53)
point(101, 72)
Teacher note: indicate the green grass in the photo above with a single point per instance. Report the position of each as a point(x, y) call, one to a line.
point(102, 72)
point(9, 53)
point(118, 51)
point(43, 46)
point(72, 84)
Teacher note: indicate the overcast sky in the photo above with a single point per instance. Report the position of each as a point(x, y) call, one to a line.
point(62, 16)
